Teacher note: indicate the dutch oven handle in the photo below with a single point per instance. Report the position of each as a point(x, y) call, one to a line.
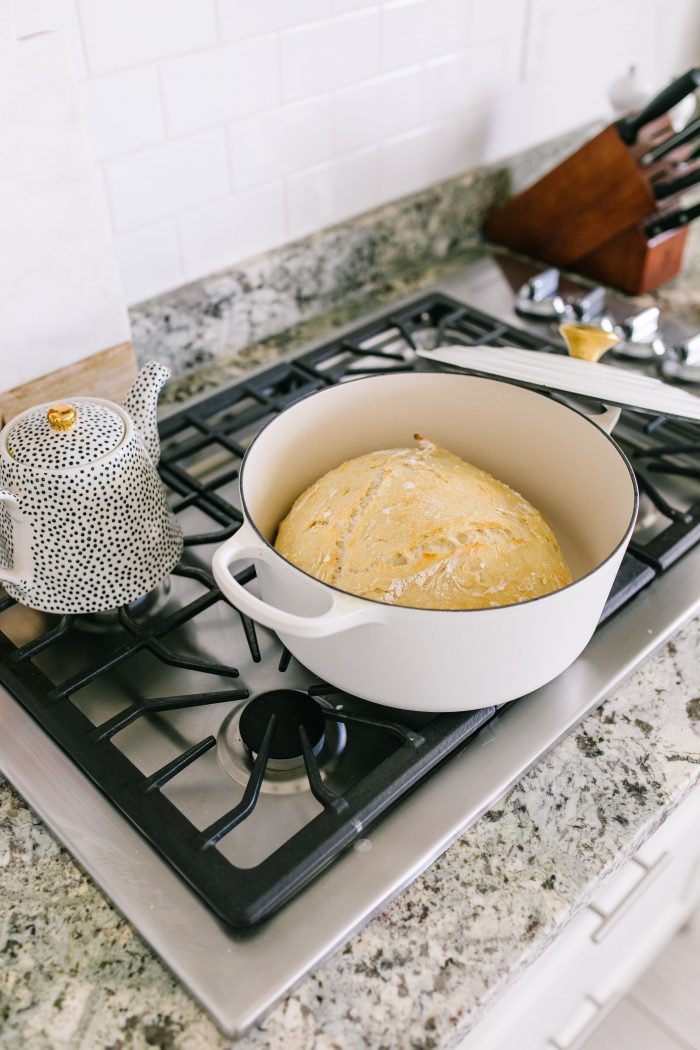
point(607, 420)
point(345, 612)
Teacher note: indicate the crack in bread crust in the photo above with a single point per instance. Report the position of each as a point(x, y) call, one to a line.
point(362, 508)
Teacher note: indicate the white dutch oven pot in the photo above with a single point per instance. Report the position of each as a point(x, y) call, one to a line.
point(421, 659)
point(84, 521)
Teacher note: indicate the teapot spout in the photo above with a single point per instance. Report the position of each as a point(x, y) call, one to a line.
point(142, 405)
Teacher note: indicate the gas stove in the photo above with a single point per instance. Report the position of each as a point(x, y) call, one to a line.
point(246, 817)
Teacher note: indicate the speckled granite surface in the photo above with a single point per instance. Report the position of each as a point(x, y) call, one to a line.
point(74, 974)
point(680, 297)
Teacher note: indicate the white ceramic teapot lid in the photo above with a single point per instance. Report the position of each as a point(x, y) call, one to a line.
point(56, 437)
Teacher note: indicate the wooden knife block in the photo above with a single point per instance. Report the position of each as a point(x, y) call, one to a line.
point(635, 263)
point(591, 197)
point(588, 214)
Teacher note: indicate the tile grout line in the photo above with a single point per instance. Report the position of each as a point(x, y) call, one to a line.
point(83, 39)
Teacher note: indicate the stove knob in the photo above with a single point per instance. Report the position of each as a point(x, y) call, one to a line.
point(689, 351)
point(590, 305)
point(642, 327)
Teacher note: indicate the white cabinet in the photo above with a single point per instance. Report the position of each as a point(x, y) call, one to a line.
point(563, 996)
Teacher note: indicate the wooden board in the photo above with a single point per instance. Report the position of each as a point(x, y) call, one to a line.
point(108, 373)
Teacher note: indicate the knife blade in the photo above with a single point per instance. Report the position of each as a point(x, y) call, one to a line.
point(688, 134)
point(672, 165)
point(672, 220)
point(675, 92)
point(683, 182)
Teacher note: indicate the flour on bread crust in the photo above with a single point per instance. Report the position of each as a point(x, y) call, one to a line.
point(421, 527)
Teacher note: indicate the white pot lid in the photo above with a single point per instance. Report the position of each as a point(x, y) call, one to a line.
point(62, 436)
point(569, 375)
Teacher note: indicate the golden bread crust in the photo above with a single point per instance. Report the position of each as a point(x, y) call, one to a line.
point(421, 527)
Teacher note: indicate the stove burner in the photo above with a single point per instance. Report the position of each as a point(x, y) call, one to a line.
point(242, 733)
point(648, 517)
point(151, 604)
point(677, 367)
point(639, 350)
point(293, 711)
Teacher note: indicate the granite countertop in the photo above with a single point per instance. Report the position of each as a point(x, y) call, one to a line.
point(679, 298)
point(73, 973)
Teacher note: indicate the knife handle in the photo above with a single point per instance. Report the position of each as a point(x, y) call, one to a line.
point(672, 220)
point(629, 127)
point(683, 182)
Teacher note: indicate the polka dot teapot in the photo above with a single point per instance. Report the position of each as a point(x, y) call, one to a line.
point(84, 521)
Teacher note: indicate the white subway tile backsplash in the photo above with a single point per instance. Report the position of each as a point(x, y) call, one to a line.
point(402, 167)
point(451, 24)
point(341, 7)
point(232, 125)
point(407, 33)
point(276, 143)
point(677, 36)
point(167, 179)
point(616, 48)
point(232, 230)
point(544, 54)
point(463, 82)
point(149, 261)
point(378, 109)
point(218, 85)
point(328, 55)
point(332, 192)
point(494, 19)
point(123, 111)
point(124, 33)
point(241, 18)
point(40, 16)
point(532, 115)
point(414, 161)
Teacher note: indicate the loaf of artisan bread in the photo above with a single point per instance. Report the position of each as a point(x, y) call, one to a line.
point(423, 528)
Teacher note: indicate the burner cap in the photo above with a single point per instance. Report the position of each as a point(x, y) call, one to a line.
point(293, 708)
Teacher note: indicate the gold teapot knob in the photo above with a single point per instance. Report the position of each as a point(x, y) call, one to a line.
point(62, 417)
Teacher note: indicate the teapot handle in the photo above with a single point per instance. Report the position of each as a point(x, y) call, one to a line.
point(11, 575)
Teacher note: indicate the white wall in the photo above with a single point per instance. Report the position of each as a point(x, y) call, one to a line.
point(227, 127)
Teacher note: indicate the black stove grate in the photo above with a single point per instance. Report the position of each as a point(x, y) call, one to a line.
point(203, 446)
point(240, 896)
